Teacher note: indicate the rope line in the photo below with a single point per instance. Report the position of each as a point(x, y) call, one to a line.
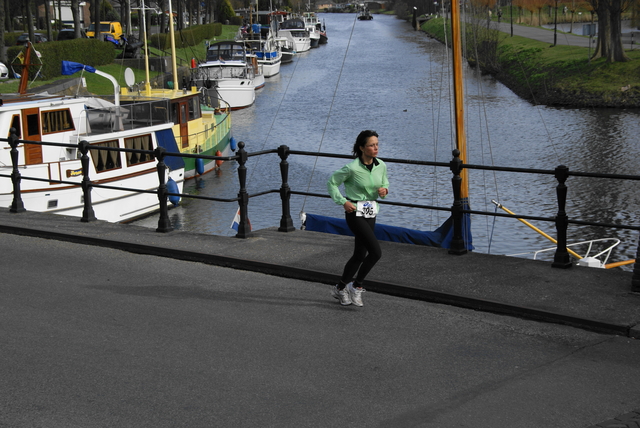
point(333, 98)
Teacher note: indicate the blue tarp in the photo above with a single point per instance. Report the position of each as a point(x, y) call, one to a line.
point(441, 237)
point(69, 67)
point(167, 140)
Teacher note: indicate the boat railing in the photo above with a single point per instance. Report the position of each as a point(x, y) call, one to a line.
point(592, 245)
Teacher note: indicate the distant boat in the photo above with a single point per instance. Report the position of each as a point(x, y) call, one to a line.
point(365, 15)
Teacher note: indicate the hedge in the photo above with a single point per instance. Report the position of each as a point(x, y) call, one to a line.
point(185, 38)
point(85, 51)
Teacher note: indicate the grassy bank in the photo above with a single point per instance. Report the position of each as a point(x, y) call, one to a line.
point(560, 75)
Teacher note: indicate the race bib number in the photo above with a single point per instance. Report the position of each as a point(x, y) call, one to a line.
point(367, 209)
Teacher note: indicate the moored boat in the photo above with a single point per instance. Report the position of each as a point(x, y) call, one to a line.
point(295, 30)
point(227, 74)
point(71, 120)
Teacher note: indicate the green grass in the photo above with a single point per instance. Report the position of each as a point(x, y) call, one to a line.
point(101, 86)
point(562, 75)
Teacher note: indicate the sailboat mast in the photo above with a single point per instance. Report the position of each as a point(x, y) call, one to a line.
point(174, 65)
point(458, 88)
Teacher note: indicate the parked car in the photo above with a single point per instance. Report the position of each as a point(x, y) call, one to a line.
point(70, 34)
point(4, 72)
point(24, 37)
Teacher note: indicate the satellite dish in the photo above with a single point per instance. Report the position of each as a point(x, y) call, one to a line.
point(129, 77)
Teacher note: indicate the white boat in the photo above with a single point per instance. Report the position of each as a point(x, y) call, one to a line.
point(266, 50)
point(312, 25)
point(287, 49)
point(70, 120)
point(295, 31)
point(229, 73)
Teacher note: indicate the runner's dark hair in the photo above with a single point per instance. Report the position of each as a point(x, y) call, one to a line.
point(362, 139)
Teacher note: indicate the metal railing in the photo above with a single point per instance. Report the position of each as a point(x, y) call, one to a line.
point(458, 245)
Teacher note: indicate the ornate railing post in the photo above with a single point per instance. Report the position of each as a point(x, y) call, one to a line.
point(87, 212)
point(17, 206)
point(244, 229)
point(457, 242)
point(561, 258)
point(286, 223)
point(164, 223)
point(635, 280)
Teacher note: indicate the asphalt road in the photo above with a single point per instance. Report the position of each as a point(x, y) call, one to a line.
point(97, 337)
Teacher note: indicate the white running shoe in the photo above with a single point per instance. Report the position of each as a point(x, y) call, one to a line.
point(341, 295)
point(355, 293)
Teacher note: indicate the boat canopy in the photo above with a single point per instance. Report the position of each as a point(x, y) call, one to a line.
point(292, 24)
point(226, 51)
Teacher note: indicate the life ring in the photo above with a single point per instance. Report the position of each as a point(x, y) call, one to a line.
point(219, 161)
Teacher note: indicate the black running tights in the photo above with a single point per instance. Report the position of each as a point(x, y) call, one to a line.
point(367, 249)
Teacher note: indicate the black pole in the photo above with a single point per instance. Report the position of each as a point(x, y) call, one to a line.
point(244, 229)
point(635, 279)
point(164, 223)
point(17, 206)
point(561, 258)
point(286, 223)
point(457, 242)
point(87, 212)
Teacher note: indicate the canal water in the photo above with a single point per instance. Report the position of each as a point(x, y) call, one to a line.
point(383, 75)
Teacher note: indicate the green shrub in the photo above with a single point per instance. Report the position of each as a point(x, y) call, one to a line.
point(85, 51)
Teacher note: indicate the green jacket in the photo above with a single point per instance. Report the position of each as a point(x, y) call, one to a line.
point(360, 184)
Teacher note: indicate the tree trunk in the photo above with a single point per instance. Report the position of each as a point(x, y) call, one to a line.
point(603, 45)
point(47, 17)
point(616, 53)
point(3, 49)
point(75, 13)
point(29, 19)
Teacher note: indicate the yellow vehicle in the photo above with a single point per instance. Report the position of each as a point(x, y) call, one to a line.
point(113, 28)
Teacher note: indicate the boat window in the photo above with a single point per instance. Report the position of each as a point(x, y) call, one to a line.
point(57, 121)
point(15, 123)
point(105, 160)
point(175, 117)
point(194, 108)
point(33, 126)
point(142, 142)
